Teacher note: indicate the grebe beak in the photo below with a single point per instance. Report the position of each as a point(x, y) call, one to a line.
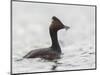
point(66, 27)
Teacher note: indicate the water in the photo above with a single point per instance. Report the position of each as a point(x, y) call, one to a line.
point(73, 58)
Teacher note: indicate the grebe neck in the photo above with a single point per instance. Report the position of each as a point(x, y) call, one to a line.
point(55, 44)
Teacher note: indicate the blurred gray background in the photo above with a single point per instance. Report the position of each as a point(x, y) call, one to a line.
point(31, 21)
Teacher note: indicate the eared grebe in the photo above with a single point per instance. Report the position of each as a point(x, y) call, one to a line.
point(53, 52)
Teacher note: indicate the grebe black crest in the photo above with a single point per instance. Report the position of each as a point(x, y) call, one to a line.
point(53, 52)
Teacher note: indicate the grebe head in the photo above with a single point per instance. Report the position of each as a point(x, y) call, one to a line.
point(57, 24)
